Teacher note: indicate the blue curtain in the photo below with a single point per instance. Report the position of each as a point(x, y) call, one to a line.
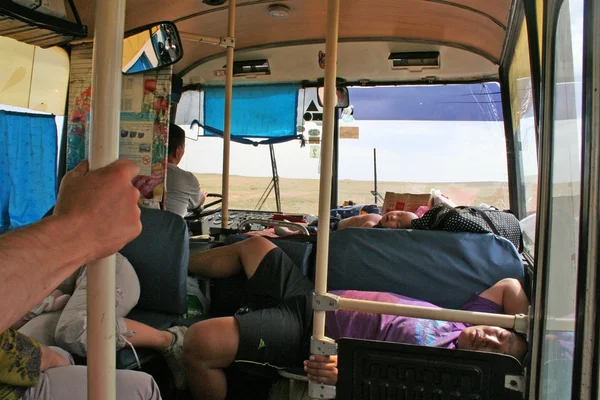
point(28, 148)
point(257, 111)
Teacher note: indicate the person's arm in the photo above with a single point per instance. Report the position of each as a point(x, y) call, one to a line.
point(51, 359)
point(22, 359)
point(510, 295)
point(322, 369)
point(95, 215)
point(360, 221)
point(196, 196)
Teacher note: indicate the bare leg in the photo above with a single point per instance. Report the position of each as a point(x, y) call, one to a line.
point(209, 347)
point(227, 261)
point(146, 336)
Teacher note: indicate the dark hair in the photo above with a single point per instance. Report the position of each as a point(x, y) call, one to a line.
point(176, 138)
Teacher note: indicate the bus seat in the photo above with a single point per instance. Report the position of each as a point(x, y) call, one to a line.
point(443, 268)
point(383, 370)
point(160, 256)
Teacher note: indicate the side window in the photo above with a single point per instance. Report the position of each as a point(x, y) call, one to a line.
point(523, 123)
point(561, 272)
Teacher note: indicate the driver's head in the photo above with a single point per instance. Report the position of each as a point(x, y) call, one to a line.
point(492, 339)
point(176, 143)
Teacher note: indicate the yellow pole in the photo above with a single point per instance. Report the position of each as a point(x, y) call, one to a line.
point(227, 123)
point(440, 314)
point(333, 9)
point(104, 149)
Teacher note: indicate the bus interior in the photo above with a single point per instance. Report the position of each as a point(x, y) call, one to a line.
point(465, 101)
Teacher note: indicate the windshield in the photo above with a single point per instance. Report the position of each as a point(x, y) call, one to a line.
point(444, 137)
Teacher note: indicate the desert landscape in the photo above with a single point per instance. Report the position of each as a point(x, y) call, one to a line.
point(302, 195)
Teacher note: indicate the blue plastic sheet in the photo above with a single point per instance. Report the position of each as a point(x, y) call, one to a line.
point(465, 102)
point(257, 111)
point(28, 150)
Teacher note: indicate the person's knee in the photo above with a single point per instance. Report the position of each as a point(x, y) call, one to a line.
point(258, 243)
point(136, 385)
point(210, 344)
point(253, 252)
point(71, 334)
point(198, 344)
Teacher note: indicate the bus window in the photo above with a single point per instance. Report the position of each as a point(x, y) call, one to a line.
point(523, 124)
point(566, 182)
point(445, 137)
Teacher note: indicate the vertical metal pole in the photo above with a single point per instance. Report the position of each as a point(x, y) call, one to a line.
point(227, 123)
point(275, 178)
point(375, 174)
point(333, 9)
point(104, 149)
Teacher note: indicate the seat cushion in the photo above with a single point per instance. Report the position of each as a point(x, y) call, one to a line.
point(443, 268)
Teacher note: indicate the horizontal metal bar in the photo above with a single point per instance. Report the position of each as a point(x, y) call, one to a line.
point(469, 317)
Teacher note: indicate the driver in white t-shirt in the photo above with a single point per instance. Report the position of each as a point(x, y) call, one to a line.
point(183, 189)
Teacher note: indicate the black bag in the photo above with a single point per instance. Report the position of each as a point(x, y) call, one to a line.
point(472, 219)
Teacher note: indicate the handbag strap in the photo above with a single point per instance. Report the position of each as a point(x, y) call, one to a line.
point(450, 211)
point(487, 219)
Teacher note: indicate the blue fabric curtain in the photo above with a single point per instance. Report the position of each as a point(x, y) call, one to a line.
point(257, 111)
point(28, 148)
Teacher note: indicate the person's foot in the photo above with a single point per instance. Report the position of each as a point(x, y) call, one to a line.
point(174, 356)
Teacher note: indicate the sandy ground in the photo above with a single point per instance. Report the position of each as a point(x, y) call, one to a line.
point(301, 195)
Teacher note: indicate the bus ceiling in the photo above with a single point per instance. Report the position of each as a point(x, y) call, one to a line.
point(469, 36)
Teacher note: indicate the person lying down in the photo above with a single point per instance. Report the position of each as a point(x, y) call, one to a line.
point(274, 323)
point(390, 220)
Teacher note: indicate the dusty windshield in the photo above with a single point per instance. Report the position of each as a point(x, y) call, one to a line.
point(444, 137)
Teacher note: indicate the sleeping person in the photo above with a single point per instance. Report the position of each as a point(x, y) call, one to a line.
point(390, 220)
point(274, 323)
point(70, 332)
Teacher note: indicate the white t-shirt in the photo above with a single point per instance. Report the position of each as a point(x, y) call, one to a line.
point(183, 190)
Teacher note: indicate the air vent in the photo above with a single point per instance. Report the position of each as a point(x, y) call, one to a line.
point(253, 67)
point(415, 60)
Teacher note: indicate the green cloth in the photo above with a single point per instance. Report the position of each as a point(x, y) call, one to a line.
point(20, 362)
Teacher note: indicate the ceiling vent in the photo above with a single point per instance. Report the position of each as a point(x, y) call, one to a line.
point(417, 60)
point(251, 67)
point(214, 2)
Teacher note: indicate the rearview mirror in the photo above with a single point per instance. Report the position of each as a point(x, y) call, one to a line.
point(341, 93)
point(151, 47)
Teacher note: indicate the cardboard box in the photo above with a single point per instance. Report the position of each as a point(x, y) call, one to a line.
point(405, 201)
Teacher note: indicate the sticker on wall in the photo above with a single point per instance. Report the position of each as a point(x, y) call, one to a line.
point(315, 151)
point(348, 132)
point(321, 59)
point(143, 132)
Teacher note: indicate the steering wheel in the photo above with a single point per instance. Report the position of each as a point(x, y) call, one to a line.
point(203, 210)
